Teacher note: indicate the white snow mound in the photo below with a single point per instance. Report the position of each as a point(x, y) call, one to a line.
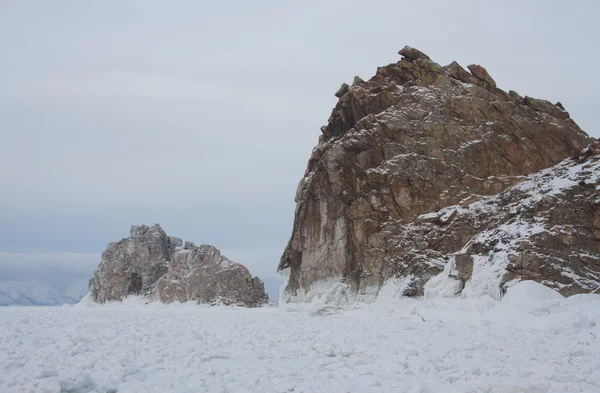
point(532, 295)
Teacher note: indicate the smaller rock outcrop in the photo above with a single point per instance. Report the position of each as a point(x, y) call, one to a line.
point(162, 268)
point(412, 53)
point(481, 73)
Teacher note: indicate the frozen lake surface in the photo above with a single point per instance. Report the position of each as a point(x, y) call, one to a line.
point(534, 344)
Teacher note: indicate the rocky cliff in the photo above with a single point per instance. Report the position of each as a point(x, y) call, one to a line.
point(433, 171)
point(162, 268)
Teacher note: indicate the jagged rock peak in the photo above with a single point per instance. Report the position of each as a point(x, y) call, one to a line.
point(155, 265)
point(362, 99)
point(414, 140)
point(139, 230)
point(412, 53)
point(481, 73)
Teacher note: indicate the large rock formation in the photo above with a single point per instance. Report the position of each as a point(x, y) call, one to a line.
point(416, 139)
point(160, 267)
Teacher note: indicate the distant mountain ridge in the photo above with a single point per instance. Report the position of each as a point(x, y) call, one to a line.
point(37, 293)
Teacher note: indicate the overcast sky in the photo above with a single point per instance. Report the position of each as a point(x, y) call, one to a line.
point(201, 115)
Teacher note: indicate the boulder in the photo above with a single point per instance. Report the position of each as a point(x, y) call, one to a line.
point(481, 73)
point(412, 53)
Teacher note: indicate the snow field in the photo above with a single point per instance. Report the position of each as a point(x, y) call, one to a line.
point(532, 341)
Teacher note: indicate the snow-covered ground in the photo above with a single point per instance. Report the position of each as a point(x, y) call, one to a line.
point(532, 340)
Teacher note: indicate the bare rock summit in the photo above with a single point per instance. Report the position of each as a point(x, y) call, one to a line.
point(426, 174)
point(164, 269)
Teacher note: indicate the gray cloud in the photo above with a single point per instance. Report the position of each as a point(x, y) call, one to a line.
point(202, 115)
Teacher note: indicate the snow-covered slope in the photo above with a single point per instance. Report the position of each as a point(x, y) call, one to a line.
point(532, 341)
point(545, 228)
point(33, 293)
point(77, 290)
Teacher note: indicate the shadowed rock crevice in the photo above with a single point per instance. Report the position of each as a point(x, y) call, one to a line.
point(414, 139)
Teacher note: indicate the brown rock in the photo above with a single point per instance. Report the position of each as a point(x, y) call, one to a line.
point(464, 266)
point(412, 53)
point(457, 72)
point(412, 140)
point(155, 265)
point(515, 96)
point(481, 73)
point(546, 107)
point(342, 90)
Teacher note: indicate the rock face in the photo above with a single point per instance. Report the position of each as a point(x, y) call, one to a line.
point(393, 187)
point(155, 265)
point(544, 228)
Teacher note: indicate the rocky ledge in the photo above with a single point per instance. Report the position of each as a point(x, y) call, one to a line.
point(430, 171)
point(164, 269)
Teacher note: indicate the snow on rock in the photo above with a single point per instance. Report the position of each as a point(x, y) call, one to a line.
point(546, 228)
point(334, 292)
point(411, 345)
point(444, 284)
point(486, 278)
